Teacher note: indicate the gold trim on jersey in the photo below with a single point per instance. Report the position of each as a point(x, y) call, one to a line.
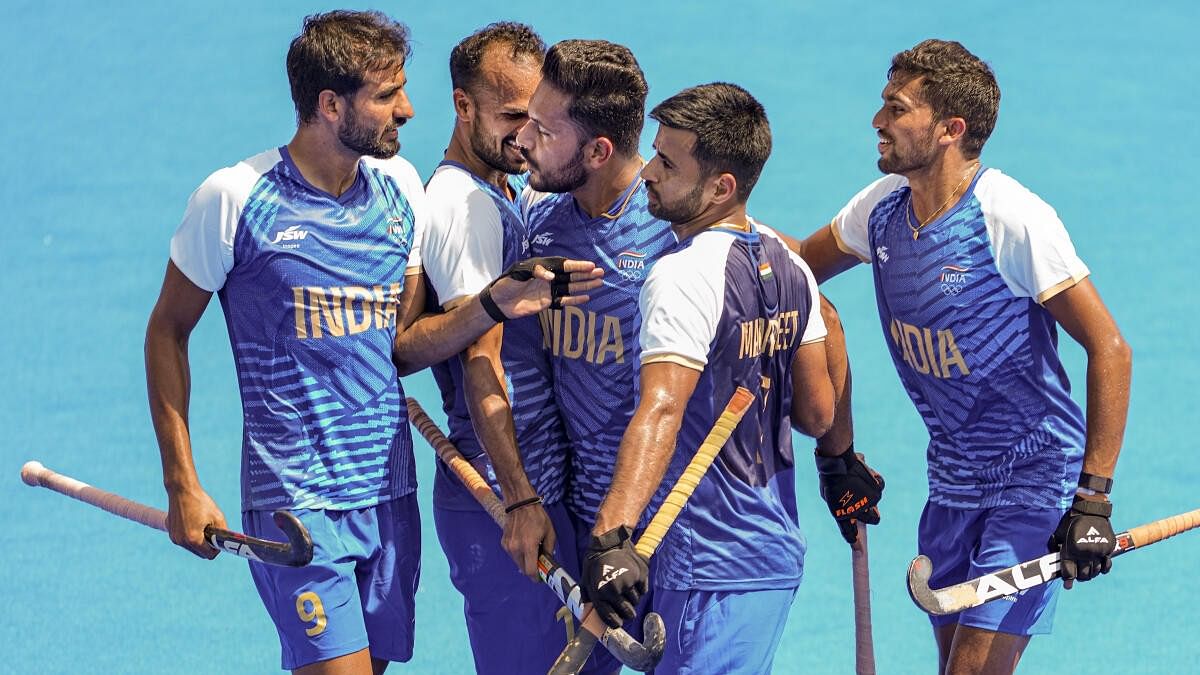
point(677, 359)
point(1060, 287)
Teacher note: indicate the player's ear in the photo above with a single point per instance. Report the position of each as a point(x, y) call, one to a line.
point(598, 151)
point(954, 129)
point(724, 189)
point(330, 106)
point(463, 105)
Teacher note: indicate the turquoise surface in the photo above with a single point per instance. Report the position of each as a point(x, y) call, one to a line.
point(116, 111)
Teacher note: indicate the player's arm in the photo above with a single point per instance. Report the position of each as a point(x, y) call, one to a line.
point(528, 529)
point(1081, 312)
point(168, 379)
point(850, 488)
point(614, 575)
point(821, 251)
point(646, 448)
point(425, 339)
point(1084, 537)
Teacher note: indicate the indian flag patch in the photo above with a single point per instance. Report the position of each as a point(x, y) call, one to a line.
point(765, 273)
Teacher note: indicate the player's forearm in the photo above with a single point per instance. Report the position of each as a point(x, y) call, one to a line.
point(841, 433)
point(491, 414)
point(642, 461)
point(433, 338)
point(1109, 372)
point(168, 381)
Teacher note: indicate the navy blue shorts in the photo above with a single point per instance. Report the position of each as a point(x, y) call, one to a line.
point(512, 621)
point(964, 544)
point(357, 592)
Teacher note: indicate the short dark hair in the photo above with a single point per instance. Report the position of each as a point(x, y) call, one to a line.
point(606, 86)
point(732, 132)
point(467, 55)
point(957, 84)
point(336, 50)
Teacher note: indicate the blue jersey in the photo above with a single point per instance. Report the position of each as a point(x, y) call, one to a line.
point(961, 309)
point(736, 305)
point(593, 348)
point(309, 284)
point(475, 233)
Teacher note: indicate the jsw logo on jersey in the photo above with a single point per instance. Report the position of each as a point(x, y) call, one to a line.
point(293, 233)
point(544, 239)
point(609, 573)
point(1093, 536)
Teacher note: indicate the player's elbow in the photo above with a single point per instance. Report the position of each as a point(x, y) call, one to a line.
point(813, 418)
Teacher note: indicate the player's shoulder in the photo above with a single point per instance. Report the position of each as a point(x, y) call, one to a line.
point(778, 247)
point(398, 169)
point(235, 183)
point(881, 188)
point(1009, 205)
point(450, 184)
point(537, 204)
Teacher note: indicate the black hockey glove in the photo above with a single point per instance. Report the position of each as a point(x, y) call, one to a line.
point(614, 576)
point(523, 271)
point(1084, 540)
point(851, 489)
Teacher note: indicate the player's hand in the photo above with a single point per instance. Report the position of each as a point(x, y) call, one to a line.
point(188, 513)
point(852, 491)
point(1084, 540)
point(527, 532)
point(535, 284)
point(615, 577)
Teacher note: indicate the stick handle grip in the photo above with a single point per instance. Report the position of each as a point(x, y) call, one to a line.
point(864, 648)
point(738, 404)
point(458, 464)
point(1144, 535)
point(36, 475)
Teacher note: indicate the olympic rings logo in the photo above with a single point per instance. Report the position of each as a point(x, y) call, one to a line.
point(951, 290)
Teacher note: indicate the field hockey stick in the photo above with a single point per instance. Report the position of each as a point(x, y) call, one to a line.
point(641, 656)
point(864, 648)
point(988, 587)
point(297, 551)
point(576, 651)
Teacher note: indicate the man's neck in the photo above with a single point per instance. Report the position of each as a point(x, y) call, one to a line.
point(936, 187)
point(733, 215)
point(460, 151)
point(603, 187)
point(323, 161)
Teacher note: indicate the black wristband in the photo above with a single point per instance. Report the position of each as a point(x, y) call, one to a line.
point(489, 305)
point(524, 502)
point(1099, 484)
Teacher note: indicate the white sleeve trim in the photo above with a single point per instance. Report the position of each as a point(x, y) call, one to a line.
point(464, 246)
point(850, 224)
point(1030, 244)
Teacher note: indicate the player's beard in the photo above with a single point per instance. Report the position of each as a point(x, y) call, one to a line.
point(493, 155)
point(918, 155)
point(365, 141)
point(566, 178)
point(683, 210)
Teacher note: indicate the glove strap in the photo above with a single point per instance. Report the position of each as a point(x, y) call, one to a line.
point(612, 539)
point(1088, 507)
point(836, 465)
point(1094, 483)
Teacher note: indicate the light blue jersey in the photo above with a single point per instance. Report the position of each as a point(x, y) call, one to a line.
point(309, 284)
point(961, 307)
point(593, 348)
